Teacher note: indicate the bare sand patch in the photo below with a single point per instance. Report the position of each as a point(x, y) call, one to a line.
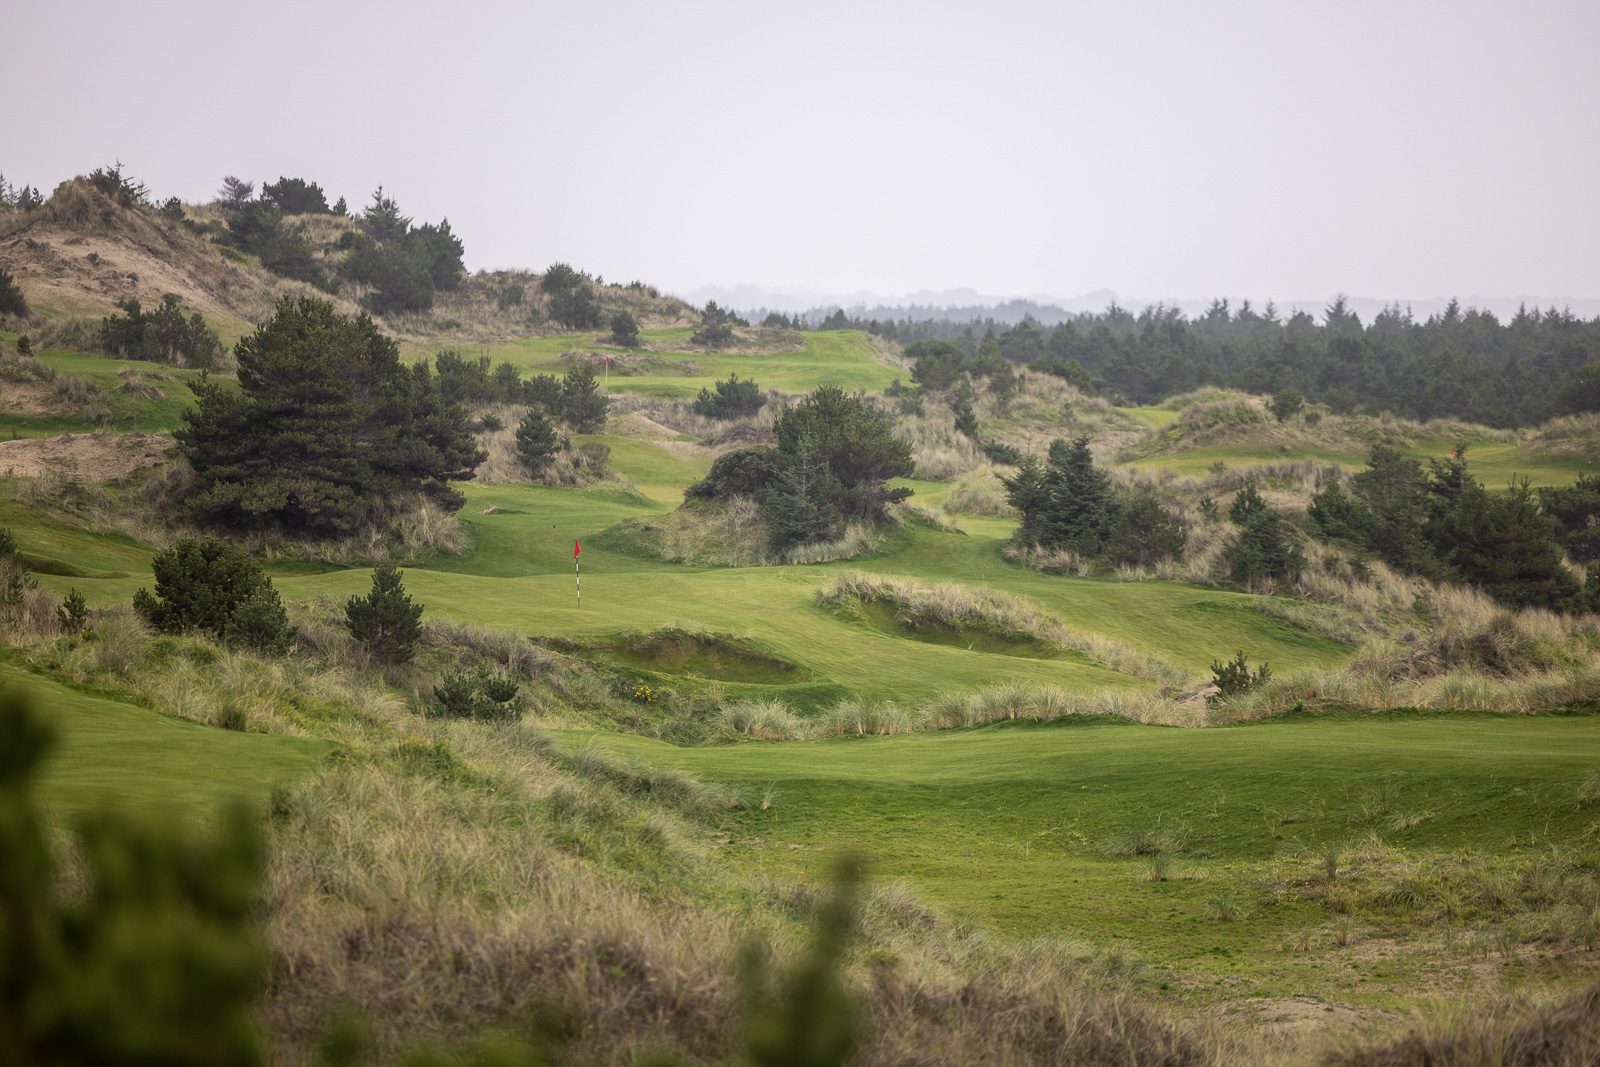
point(95, 457)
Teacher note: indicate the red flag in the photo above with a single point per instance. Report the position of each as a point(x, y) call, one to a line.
point(575, 550)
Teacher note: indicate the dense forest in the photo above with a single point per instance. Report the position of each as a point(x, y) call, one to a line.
point(1464, 363)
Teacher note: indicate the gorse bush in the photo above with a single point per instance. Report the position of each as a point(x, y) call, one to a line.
point(213, 586)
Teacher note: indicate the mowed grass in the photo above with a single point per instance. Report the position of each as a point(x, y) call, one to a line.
point(843, 357)
point(1011, 825)
point(112, 755)
point(1492, 463)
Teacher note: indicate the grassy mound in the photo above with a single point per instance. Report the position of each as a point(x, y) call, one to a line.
point(697, 654)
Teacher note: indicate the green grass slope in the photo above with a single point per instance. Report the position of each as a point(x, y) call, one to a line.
point(1011, 826)
point(112, 755)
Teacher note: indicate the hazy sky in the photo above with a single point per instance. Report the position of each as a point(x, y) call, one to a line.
point(1185, 150)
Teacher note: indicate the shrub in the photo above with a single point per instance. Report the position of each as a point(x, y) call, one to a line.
point(385, 620)
point(156, 962)
point(1235, 678)
point(733, 399)
point(624, 328)
point(12, 301)
point(260, 624)
point(73, 613)
point(202, 585)
point(538, 441)
point(161, 336)
point(481, 696)
point(24, 345)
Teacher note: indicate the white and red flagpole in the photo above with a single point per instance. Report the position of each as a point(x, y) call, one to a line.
point(576, 577)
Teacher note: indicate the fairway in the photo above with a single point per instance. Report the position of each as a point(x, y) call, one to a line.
point(519, 576)
point(109, 755)
point(1009, 825)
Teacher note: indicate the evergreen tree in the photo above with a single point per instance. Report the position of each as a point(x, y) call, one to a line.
point(12, 302)
point(582, 406)
point(857, 444)
point(799, 508)
point(961, 407)
point(214, 586)
point(1262, 548)
point(733, 399)
point(385, 620)
point(624, 329)
point(1501, 543)
point(538, 441)
point(1081, 505)
point(326, 422)
point(1144, 531)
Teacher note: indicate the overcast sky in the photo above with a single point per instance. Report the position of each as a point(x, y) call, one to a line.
point(1182, 150)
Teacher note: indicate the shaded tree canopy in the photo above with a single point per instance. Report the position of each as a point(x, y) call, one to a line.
point(326, 422)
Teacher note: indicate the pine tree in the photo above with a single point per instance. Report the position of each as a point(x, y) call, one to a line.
point(385, 620)
point(582, 406)
point(538, 441)
point(1081, 506)
point(961, 407)
point(799, 508)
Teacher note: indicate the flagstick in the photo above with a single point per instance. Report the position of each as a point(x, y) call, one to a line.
point(577, 578)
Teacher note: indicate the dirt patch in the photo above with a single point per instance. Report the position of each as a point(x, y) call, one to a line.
point(95, 457)
point(1303, 1016)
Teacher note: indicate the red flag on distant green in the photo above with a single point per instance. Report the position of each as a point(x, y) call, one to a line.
point(575, 550)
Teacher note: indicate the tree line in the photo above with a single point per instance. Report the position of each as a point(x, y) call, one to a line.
point(1462, 362)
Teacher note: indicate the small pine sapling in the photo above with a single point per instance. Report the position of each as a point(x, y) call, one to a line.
point(385, 620)
point(73, 613)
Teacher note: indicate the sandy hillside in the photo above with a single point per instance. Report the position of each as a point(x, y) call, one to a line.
point(84, 255)
point(95, 457)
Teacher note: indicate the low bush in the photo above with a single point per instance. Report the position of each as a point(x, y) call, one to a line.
point(213, 586)
point(733, 399)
